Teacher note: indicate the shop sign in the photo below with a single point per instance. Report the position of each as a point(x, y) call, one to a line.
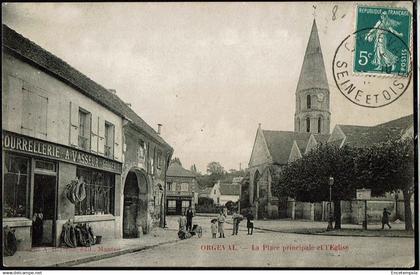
point(19, 143)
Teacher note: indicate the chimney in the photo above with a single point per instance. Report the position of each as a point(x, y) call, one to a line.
point(159, 128)
point(128, 104)
point(112, 91)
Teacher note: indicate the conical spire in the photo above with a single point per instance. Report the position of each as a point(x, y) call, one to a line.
point(313, 73)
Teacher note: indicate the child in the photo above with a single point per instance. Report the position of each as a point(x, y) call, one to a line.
point(214, 228)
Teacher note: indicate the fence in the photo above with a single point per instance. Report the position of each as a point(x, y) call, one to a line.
point(352, 212)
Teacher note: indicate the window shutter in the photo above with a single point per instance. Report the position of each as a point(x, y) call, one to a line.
point(117, 145)
point(12, 105)
point(94, 134)
point(101, 135)
point(29, 102)
point(74, 124)
point(41, 116)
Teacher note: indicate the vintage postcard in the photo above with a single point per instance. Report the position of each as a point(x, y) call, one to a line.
point(203, 135)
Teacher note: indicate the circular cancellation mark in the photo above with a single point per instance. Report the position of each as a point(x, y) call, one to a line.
point(378, 87)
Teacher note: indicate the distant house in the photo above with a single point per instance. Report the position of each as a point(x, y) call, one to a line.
point(205, 193)
point(181, 191)
point(237, 180)
point(221, 193)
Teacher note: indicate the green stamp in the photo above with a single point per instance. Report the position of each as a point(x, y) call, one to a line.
point(382, 45)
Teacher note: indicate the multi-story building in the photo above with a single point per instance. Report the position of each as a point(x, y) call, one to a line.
point(60, 127)
point(181, 189)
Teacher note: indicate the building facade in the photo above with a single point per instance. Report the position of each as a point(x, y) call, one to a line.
point(62, 128)
point(181, 189)
point(221, 193)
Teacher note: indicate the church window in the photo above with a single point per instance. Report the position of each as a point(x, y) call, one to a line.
point(308, 124)
point(319, 125)
point(308, 101)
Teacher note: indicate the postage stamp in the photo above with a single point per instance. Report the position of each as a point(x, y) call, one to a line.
point(383, 49)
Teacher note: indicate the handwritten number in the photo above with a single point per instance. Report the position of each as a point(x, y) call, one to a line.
point(334, 11)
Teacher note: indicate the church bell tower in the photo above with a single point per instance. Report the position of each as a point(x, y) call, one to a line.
point(312, 112)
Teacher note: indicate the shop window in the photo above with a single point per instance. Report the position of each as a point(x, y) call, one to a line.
point(16, 186)
point(171, 204)
point(84, 129)
point(109, 140)
point(186, 204)
point(100, 192)
point(45, 165)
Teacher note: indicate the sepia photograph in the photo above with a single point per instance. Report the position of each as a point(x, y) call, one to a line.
point(209, 135)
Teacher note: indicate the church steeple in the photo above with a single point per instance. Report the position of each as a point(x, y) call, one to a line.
point(312, 92)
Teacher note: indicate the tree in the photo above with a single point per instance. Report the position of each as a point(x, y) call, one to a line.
point(215, 168)
point(389, 167)
point(193, 169)
point(175, 160)
point(306, 179)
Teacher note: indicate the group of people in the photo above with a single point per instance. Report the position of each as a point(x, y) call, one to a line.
point(217, 225)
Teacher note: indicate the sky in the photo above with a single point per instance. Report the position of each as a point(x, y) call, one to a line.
point(209, 72)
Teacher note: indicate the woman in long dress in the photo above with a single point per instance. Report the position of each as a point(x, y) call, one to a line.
point(378, 34)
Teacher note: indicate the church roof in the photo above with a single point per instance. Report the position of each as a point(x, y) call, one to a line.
point(280, 143)
point(312, 74)
point(176, 170)
point(322, 138)
point(362, 136)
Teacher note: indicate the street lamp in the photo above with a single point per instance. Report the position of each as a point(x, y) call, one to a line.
point(330, 214)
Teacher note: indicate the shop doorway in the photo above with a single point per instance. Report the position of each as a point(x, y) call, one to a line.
point(43, 226)
point(178, 207)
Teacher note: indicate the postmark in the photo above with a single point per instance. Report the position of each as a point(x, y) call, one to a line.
point(380, 49)
point(370, 89)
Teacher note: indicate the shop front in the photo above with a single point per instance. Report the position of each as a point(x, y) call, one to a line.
point(177, 205)
point(36, 175)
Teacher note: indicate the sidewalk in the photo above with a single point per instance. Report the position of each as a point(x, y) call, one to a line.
point(64, 257)
point(320, 228)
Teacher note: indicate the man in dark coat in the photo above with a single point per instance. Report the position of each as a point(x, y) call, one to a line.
point(385, 218)
point(190, 215)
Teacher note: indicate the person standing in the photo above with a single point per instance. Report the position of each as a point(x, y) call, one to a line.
point(249, 222)
point(190, 215)
point(236, 220)
point(37, 227)
point(182, 221)
point(213, 228)
point(220, 224)
point(385, 218)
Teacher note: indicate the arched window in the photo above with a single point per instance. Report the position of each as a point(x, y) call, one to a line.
point(308, 124)
point(308, 101)
point(319, 125)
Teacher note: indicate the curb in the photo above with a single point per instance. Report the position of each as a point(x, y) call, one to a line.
point(108, 255)
point(322, 233)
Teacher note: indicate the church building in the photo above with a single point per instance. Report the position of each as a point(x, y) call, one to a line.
point(273, 150)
